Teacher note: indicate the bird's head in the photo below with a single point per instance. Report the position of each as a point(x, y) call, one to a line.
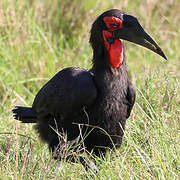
point(113, 26)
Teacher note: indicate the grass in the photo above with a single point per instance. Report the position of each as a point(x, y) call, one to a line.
point(39, 38)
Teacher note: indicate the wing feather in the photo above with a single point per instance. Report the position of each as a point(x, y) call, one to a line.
point(66, 93)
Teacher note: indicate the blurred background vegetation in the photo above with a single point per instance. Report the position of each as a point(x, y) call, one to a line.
point(40, 37)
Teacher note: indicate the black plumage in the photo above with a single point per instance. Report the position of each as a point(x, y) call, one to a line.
point(100, 99)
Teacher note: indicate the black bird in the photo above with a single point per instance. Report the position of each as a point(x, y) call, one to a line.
point(94, 103)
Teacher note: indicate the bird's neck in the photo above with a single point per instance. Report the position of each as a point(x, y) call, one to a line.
point(108, 77)
point(111, 84)
point(109, 55)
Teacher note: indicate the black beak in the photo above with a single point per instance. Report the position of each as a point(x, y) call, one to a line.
point(137, 35)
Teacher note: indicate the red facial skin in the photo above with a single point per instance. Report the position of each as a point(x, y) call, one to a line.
point(109, 20)
point(115, 50)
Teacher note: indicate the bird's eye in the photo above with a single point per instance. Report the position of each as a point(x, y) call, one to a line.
point(114, 25)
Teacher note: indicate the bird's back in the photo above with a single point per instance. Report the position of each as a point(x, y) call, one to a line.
point(66, 93)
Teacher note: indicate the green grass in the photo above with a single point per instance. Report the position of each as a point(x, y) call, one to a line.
point(39, 38)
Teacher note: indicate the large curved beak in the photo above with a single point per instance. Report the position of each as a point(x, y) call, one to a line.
point(137, 35)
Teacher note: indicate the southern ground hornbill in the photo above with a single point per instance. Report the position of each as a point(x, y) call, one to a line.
point(95, 103)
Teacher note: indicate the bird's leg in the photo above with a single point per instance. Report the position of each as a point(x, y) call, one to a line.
point(89, 165)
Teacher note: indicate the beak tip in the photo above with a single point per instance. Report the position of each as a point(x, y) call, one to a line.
point(163, 55)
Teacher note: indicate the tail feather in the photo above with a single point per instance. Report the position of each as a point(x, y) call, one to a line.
point(24, 114)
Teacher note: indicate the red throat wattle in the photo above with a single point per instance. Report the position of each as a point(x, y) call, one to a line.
point(115, 47)
point(115, 50)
